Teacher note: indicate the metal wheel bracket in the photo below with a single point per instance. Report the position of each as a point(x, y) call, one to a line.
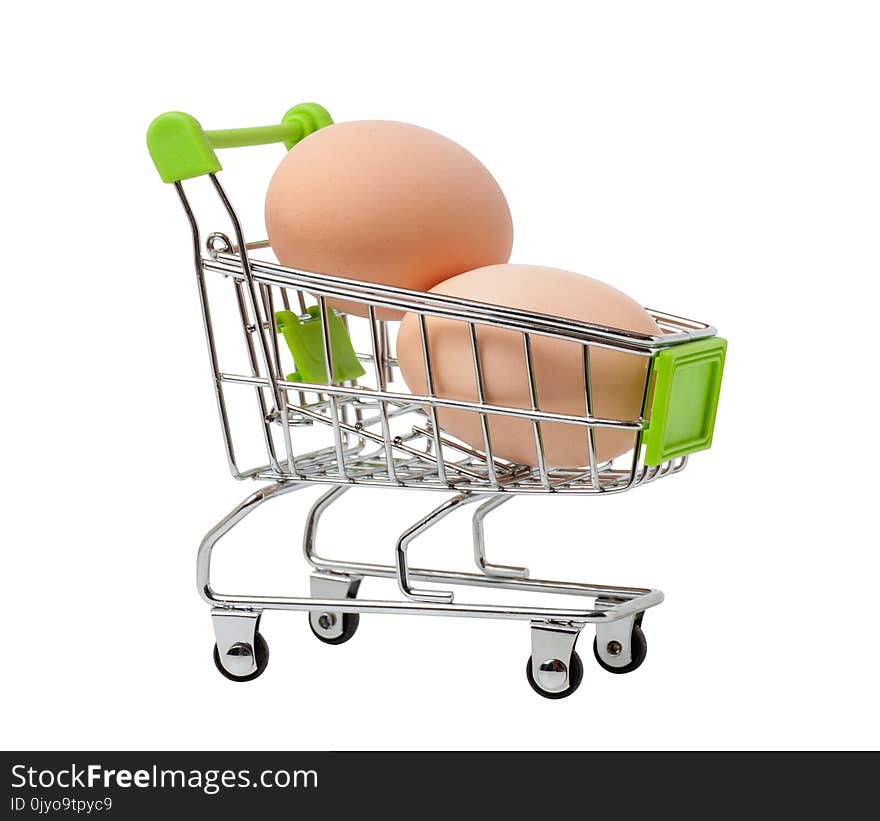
point(614, 640)
point(552, 646)
point(329, 623)
point(235, 633)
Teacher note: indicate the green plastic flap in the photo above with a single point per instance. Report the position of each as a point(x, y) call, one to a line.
point(306, 343)
point(687, 384)
point(181, 149)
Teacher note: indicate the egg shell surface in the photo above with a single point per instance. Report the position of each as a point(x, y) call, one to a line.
point(617, 378)
point(385, 202)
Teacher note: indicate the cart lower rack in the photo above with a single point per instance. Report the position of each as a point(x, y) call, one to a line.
point(352, 423)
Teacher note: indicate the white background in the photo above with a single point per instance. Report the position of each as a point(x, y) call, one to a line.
point(718, 160)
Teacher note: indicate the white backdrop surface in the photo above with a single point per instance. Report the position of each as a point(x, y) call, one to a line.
point(716, 160)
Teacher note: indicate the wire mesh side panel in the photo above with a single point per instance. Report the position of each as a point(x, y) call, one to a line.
point(464, 404)
point(477, 398)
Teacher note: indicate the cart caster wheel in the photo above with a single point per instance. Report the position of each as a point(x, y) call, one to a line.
point(261, 649)
point(639, 651)
point(322, 622)
point(575, 676)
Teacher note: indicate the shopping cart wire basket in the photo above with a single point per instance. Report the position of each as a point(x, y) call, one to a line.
point(330, 408)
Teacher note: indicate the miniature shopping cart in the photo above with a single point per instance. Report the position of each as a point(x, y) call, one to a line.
point(335, 413)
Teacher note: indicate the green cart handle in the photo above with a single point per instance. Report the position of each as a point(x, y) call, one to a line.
point(181, 149)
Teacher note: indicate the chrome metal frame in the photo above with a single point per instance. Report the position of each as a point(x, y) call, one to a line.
point(626, 600)
point(369, 446)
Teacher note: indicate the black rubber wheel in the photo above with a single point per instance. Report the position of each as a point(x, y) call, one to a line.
point(350, 622)
point(261, 650)
point(639, 651)
point(575, 677)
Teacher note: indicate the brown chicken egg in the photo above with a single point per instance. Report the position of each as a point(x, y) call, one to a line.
point(617, 378)
point(385, 202)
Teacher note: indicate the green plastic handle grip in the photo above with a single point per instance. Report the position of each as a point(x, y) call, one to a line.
point(181, 149)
